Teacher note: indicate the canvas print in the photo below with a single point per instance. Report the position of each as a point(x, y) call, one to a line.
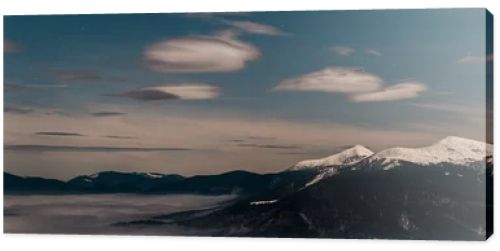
point(306, 124)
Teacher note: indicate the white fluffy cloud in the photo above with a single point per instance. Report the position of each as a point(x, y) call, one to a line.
point(343, 50)
point(255, 28)
point(361, 86)
point(187, 91)
point(221, 53)
point(333, 79)
point(405, 90)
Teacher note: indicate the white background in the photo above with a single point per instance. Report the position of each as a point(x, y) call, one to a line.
point(115, 243)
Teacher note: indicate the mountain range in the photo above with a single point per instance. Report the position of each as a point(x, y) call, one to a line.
point(441, 191)
point(234, 182)
point(449, 151)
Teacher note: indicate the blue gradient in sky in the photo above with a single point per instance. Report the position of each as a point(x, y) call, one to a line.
point(418, 45)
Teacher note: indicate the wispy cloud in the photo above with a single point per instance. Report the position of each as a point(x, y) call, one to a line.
point(373, 52)
point(450, 108)
point(252, 141)
point(236, 140)
point(405, 90)
point(55, 111)
point(108, 114)
point(15, 86)
point(470, 59)
point(188, 91)
point(333, 79)
point(77, 75)
point(261, 138)
point(257, 142)
point(255, 28)
point(268, 146)
point(147, 95)
point(18, 109)
point(218, 53)
point(64, 134)
point(348, 51)
point(59, 148)
point(359, 85)
point(240, 25)
point(343, 50)
point(26, 110)
point(118, 137)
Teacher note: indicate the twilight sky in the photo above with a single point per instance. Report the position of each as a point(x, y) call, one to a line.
point(208, 93)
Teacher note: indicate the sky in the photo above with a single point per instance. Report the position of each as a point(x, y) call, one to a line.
point(205, 93)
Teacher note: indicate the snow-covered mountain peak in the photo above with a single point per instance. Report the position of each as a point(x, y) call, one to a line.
point(452, 150)
point(347, 157)
point(458, 142)
point(358, 150)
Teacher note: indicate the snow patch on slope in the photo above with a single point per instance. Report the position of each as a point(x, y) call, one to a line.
point(262, 202)
point(153, 175)
point(324, 174)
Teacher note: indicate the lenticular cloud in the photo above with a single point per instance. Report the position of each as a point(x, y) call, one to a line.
point(187, 91)
point(222, 53)
point(333, 79)
point(405, 90)
point(359, 85)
